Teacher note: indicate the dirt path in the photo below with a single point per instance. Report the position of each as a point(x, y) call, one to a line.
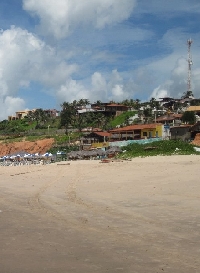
point(92, 217)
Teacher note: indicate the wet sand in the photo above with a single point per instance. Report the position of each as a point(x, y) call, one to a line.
point(132, 216)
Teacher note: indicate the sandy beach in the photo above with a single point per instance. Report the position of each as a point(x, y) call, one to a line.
point(132, 216)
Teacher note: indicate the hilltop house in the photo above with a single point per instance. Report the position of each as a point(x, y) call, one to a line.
point(21, 114)
point(109, 109)
point(170, 119)
point(18, 115)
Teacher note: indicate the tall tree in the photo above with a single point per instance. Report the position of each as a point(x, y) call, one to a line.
point(40, 116)
point(83, 102)
point(68, 114)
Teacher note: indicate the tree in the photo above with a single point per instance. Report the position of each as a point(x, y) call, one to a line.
point(38, 115)
point(68, 114)
point(3, 124)
point(30, 116)
point(83, 102)
point(137, 104)
point(189, 117)
point(80, 121)
point(154, 103)
point(187, 95)
point(126, 102)
point(99, 119)
point(71, 117)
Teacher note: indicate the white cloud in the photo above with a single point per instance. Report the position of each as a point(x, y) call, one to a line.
point(117, 92)
point(9, 105)
point(87, 63)
point(24, 58)
point(72, 90)
point(171, 70)
point(59, 17)
point(99, 87)
point(176, 85)
point(161, 91)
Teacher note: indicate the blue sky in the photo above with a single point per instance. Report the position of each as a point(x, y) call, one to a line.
point(53, 51)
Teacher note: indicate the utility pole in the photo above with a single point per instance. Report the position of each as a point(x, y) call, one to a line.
point(190, 63)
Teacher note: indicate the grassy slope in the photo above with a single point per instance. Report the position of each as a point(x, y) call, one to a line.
point(163, 147)
point(121, 118)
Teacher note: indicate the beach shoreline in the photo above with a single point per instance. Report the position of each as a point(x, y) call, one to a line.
point(134, 215)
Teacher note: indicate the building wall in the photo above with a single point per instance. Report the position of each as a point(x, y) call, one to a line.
point(154, 132)
point(181, 133)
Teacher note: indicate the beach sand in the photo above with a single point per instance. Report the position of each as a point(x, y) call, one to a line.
point(132, 216)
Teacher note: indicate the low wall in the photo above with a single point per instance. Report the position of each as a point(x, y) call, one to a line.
point(139, 141)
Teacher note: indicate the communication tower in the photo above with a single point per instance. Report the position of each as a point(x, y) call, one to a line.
point(190, 63)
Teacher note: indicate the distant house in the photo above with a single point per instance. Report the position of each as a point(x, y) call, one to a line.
point(167, 102)
point(109, 109)
point(21, 114)
point(170, 119)
point(195, 109)
point(53, 113)
point(18, 115)
point(94, 137)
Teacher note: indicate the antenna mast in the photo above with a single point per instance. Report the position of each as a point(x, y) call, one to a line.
point(189, 42)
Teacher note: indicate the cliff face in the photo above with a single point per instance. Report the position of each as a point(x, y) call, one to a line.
point(196, 141)
point(39, 146)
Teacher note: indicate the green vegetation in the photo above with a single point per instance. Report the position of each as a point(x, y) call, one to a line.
point(39, 124)
point(163, 147)
point(70, 118)
point(122, 119)
point(189, 117)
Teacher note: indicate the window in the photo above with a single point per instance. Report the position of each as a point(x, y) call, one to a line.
point(144, 134)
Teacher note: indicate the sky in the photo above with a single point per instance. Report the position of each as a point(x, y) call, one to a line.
point(52, 51)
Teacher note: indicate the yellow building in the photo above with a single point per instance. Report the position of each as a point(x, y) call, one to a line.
point(138, 131)
point(20, 114)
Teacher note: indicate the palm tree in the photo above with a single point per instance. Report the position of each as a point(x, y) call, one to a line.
point(126, 102)
point(30, 116)
point(153, 102)
point(40, 116)
point(99, 119)
point(83, 102)
point(187, 95)
point(68, 114)
point(137, 104)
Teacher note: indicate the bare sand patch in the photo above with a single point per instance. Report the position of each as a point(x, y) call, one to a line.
point(132, 216)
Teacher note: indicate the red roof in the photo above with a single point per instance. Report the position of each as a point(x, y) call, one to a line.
point(96, 130)
point(136, 127)
point(115, 105)
point(106, 134)
point(170, 117)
